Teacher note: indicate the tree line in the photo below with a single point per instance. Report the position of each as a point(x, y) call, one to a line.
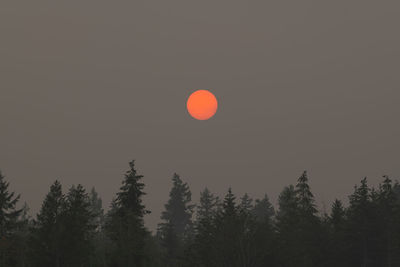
point(72, 230)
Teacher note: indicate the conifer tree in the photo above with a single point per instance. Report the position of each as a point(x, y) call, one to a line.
point(49, 230)
point(359, 214)
point(228, 233)
point(263, 209)
point(8, 223)
point(247, 231)
point(100, 242)
point(305, 197)
point(78, 222)
point(177, 217)
point(338, 246)
point(23, 235)
point(264, 236)
point(246, 203)
point(337, 217)
point(205, 228)
point(388, 226)
point(96, 208)
point(125, 225)
point(308, 225)
point(178, 211)
point(207, 209)
point(287, 229)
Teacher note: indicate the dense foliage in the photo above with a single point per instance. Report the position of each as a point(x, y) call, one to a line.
point(72, 229)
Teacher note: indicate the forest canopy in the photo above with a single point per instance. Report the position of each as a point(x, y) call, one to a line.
point(72, 228)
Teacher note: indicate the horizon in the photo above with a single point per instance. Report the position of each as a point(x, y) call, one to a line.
point(323, 207)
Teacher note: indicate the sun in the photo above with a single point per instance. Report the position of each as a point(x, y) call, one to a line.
point(202, 105)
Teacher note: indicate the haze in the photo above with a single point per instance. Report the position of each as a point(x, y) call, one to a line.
point(87, 86)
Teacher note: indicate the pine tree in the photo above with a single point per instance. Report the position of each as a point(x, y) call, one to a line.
point(178, 211)
point(8, 223)
point(207, 209)
point(205, 229)
point(359, 214)
point(264, 235)
point(100, 243)
point(228, 232)
point(247, 231)
point(78, 223)
point(49, 231)
point(309, 226)
point(125, 225)
point(287, 229)
point(337, 217)
point(23, 235)
point(337, 235)
point(305, 198)
point(246, 204)
point(387, 227)
point(96, 208)
point(263, 209)
point(177, 217)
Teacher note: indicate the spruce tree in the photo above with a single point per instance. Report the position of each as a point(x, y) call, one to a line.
point(308, 225)
point(246, 203)
point(100, 243)
point(337, 254)
point(125, 225)
point(177, 217)
point(287, 228)
point(305, 197)
point(388, 223)
point(337, 217)
point(247, 231)
point(8, 211)
point(23, 235)
point(264, 250)
point(228, 233)
point(207, 209)
point(263, 209)
point(78, 222)
point(360, 215)
point(8, 223)
point(96, 208)
point(205, 228)
point(49, 229)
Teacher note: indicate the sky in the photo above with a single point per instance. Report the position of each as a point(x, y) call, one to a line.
point(87, 86)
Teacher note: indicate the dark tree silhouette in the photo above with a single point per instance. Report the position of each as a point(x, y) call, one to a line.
point(125, 226)
point(8, 223)
point(309, 230)
point(71, 230)
point(360, 216)
point(228, 233)
point(263, 209)
point(175, 231)
point(78, 222)
point(204, 246)
point(286, 227)
point(49, 233)
point(264, 235)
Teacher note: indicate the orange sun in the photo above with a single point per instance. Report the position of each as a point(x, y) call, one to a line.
point(202, 105)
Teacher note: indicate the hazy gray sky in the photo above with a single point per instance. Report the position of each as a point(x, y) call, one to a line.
point(87, 86)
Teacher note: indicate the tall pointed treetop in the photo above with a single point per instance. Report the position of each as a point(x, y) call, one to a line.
point(8, 211)
point(304, 195)
point(131, 192)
